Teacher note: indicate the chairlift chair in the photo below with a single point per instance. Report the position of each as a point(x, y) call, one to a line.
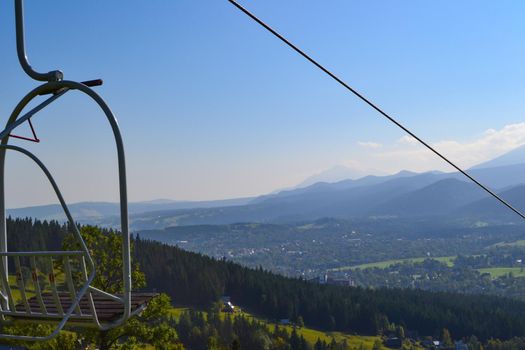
point(62, 291)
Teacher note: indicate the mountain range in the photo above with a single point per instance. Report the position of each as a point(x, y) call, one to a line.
point(450, 196)
point(95, 212)
point(404, 195)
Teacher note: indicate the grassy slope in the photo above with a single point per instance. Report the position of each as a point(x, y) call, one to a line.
point(449, 260)
point(311, 335)
point(519, 243)
point(496, 272)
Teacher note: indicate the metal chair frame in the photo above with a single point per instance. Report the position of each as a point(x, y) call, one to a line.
point(56, 87)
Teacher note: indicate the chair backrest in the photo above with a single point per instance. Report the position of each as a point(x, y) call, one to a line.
point(39, 282)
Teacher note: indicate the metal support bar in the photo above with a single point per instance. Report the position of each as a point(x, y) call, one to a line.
point(44, 253)
point(106, 294)
point(5, 282)
point(69, 281)
point(33, 139)
point(30, 114)
point(91, 302)
point(21, 50)
point(54, 291)
point(21, 284)
point(36, 284)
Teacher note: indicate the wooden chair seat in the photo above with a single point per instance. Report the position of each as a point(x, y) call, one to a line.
point(107, 309)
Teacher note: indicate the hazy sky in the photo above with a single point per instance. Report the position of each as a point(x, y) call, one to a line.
point(211, 106)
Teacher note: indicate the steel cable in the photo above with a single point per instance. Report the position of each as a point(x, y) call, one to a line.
point(375, 107)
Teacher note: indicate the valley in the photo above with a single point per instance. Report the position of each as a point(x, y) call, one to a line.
point(405, 234)
point(262, 175)
point(307, 249)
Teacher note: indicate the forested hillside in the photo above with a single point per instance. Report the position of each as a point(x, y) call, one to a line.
point(197, 280)
point(194, 279)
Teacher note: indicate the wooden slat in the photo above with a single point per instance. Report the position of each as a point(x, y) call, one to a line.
point(107, 309)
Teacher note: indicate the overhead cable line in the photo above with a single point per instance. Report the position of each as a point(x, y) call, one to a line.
point(371, 104)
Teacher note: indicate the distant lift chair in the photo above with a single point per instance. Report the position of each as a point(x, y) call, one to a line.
point(56, 286)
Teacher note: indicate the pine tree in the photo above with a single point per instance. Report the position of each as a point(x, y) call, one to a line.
point(318, 345)
point(300, 322)
point(446, 339)
point(295, 342)
point(377, 345)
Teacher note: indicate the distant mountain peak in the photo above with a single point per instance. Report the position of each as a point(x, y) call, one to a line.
point(159, 201)
point(515, 156)
point(405, 173)
point(338, 173)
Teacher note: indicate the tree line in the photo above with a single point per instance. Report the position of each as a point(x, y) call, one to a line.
point(197, 280)
point(193, 279)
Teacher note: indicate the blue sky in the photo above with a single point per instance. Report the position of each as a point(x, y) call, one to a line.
point(211, 106)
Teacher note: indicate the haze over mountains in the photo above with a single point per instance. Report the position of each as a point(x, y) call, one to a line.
point(515, 156)
point(91, 212)
point(337, 173)
point(402, 195)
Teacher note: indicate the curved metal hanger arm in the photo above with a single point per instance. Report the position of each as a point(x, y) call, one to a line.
point(9, 128)
point(55, 75)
